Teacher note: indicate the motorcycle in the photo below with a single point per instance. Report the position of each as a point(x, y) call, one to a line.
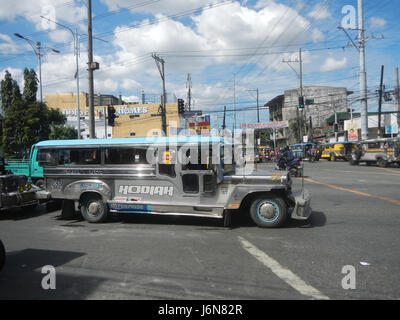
point(293, 165)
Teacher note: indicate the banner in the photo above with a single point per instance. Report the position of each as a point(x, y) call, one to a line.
point(268, 125)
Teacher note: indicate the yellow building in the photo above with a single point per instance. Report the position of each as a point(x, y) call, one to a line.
point(133, 120)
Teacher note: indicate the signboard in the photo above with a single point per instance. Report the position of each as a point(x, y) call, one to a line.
point(268, 125)
point(352, 132)
point(201, 128)
point(392, 129)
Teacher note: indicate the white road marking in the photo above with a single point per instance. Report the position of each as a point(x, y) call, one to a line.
point(285, 274)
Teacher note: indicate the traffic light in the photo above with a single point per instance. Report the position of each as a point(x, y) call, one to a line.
point(111, 115)
point(181, 106)
point(301, 102)
point(335, 127)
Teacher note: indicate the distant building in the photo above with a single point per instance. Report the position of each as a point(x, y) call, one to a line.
point(133, 120)
point(321, 103)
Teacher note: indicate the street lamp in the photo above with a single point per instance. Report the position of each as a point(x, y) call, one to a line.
point(36, 46)
point(76, 53)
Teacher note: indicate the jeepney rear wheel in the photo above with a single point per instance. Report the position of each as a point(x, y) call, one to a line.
point(269, 211)
point(382, 163)
point(93, 208)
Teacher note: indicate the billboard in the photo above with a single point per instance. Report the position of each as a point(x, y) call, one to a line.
point(352, 132)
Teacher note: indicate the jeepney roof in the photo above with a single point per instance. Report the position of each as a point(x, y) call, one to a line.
point(129, 141)
point(380, 140)
point(339, 142)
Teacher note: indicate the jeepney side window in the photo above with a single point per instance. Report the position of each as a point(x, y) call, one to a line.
point(373, 145)
point(125, 156)
point(79, 157)
point(47, 157)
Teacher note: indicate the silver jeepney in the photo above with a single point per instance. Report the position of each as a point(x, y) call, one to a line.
point(382, 152)
point(167, 186)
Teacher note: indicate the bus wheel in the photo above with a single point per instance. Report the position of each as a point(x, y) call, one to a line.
point(269, 211)
point(93, 208)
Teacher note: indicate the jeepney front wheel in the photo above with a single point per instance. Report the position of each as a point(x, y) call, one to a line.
point(93, 208)
point(269, 211)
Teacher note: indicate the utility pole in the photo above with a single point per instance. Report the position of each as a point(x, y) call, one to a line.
point(380, 104)
point(189, 87)
point(363, 74)
point(161, 62)
point(397, 94)
point(92, 132)
point(234, 102)
point(300, 76)
point(336, 118)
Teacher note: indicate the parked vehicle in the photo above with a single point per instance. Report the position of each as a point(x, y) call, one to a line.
point(381, 152)
point(28, 167)
point(15, 191)
point(302, 151)
point(337, 150)
point(152, 176)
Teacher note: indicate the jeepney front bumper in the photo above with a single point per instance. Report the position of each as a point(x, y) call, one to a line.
point(17, 200)
point(302, 205)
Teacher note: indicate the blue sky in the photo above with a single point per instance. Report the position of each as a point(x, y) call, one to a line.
point(217, 43)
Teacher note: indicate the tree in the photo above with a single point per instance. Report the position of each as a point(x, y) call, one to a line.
point(10, 92)
point(30, 85)
point(26, 124)
point(60, 132)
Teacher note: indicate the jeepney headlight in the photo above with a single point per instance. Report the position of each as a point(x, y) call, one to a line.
point(21, 189)
point(28, 187)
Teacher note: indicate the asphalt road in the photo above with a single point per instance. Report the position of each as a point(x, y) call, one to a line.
point(355, 222)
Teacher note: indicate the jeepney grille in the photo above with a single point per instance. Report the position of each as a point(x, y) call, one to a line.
point(11, 183)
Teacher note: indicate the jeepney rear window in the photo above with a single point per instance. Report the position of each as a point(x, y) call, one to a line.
point(125, 156)
point(79, 157)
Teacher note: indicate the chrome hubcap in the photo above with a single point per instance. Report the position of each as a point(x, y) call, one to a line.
point(267, 211)
point(93, 208)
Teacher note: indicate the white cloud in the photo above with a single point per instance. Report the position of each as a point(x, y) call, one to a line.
point(7, 45)
point(332, 64)
point(165, 7)
point(320, 12)
point(377, 23)
point(72, 12)
point(317, 35)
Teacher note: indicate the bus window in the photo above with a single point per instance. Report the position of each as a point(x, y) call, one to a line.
point(125, 156)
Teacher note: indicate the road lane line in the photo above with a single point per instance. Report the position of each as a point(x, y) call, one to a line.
point(364, 172)
point(283, 273)
point(390, 170)
point(396, 202)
